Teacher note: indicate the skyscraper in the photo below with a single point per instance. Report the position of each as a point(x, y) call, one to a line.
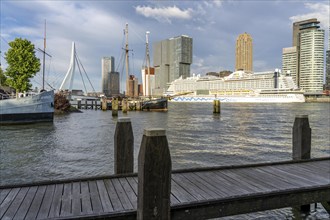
point(110, 78)
point(244, 53)
point(327, 71)
point(290, 62)
point(311, 57)
point(296, 30)
point(172, 59)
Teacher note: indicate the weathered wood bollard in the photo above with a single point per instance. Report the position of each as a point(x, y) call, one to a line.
point(138, 106)
point(124, 105)
point(86, 104)
point(216, 106)
point(104, 104)
point(124, 146)
point(79, 104)
point(154, 176)
point(301, 143)
point(115, 107)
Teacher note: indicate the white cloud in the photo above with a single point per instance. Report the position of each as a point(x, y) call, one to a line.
point(164, 13)
point(214, 3)
point(321, 11)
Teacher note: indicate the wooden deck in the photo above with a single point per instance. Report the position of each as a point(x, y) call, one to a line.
point(202, 193)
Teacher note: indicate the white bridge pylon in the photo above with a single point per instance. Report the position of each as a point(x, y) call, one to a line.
point(70, 74)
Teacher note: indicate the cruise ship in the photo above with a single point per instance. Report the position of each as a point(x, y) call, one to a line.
point(239, 86)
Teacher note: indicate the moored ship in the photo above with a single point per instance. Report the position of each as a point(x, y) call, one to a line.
point(267, 87)
point(29, 109)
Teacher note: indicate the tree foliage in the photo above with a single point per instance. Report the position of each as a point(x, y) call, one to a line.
point(2, 78)
point(22, 64)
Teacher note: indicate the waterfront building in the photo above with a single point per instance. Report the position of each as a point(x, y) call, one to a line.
point(172, 59)
point(244, 53)
point(290, 62)
point(311, 57)
point(145, 81)
point(110, 78)
point(133, 90)
point(296, 30)
point(327, 68)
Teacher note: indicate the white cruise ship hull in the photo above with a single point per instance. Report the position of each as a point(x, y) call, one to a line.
point(269, 98)
point(30, 109)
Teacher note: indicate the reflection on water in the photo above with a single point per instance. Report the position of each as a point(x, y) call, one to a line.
point(81, 145)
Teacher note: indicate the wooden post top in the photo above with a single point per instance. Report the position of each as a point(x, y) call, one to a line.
point(124, 119)
point(301, 116)
point(154, 132)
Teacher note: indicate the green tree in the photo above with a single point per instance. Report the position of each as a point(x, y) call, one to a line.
point(2, 78)
point(22, 64)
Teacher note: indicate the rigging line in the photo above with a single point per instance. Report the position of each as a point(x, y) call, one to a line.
point(82, 78)
point(85, 73)
point(5, 40)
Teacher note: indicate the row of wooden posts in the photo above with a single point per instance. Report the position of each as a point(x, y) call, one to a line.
point(154, 163)
point(116, 105)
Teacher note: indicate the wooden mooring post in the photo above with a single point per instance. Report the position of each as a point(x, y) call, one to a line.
point(115, 107)
point(216, 106)
point(124, 104)
point(154, 176)
point(301, 144)
point(124, 146)
point(104, 104)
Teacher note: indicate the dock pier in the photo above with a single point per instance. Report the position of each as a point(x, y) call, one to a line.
point(157, 192)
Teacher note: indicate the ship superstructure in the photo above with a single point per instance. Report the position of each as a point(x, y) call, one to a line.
point(237, 87)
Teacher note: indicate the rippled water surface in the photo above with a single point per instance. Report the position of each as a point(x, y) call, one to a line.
point(81, 144)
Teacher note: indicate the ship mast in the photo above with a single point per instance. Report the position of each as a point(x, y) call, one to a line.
point(43, 59)
point(126, 58)
point(148, 62)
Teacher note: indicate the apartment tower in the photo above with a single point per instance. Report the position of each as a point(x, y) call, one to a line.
point(290, 62)
point(311, 57)
point(110, 78)
point(244, 53)
point(172, 59)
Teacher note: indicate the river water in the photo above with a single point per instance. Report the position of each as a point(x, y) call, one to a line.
point(81, 144)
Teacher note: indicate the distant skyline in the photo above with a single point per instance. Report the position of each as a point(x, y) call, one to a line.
point(97, 28)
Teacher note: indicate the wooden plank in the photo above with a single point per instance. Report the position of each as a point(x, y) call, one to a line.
point(198, 185)
point(294, 177)
point(122, 194)
point(3, 194)
point(116, 204)
point(104, 197)
point(212, 183)
point(76, 199)
point(46, 202)
point(273, 180)
point(25, 205)
point(36, 203)
point(85, 198)
point(309, 174)
point(258, 179)
point(242, 181)
point(8, 200)
point(14, 206)
point(66, 200)
point(181, 194)
point(190, 187)
point(231, 186)
point(285, 177)
point(55, 207)
point(129, 192)
point(95, 198)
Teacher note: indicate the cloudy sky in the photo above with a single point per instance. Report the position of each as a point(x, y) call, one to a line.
point(97, 29)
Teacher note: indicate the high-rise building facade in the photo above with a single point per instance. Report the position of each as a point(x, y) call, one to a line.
point(290, 62)
point(244, 53)
point(327, 68)
point(172, 59)
point(311, 57)
point(110, 78)
point(296, 30)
